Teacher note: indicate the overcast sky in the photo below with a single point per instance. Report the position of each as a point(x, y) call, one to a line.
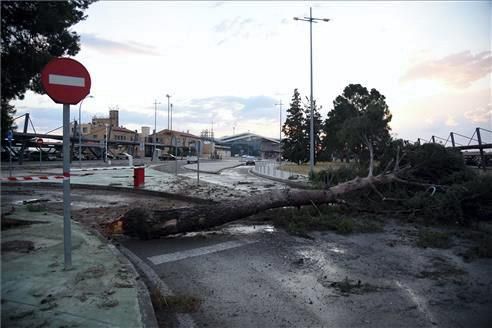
point(230, 62)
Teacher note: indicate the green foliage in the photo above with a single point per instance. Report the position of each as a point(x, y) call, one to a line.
point(295, 144)
point(8, 112)
point(434, 163)
point(358, 122)
point(332, 177)
point(300, 221)
point(33, 32)
point(317, 128)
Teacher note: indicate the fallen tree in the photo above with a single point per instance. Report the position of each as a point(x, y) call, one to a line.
point(434, 185)
point(146, 223)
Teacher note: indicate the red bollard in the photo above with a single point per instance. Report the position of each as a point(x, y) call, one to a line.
point(138, 176)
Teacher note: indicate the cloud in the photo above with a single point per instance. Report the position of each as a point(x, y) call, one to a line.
point(458, 70)
point(114, 47)
point(480, 115)
point(450, 121)
point(233, 28)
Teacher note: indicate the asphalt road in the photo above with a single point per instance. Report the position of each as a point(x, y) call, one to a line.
point(252, 275)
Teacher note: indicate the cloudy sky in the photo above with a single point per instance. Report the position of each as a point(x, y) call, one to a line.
point(229, 63)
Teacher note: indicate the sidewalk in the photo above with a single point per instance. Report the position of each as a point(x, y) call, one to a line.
point(271, 170)
point(100, 291)
point(214, 167)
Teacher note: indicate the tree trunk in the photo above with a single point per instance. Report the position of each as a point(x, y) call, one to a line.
point(147, 223)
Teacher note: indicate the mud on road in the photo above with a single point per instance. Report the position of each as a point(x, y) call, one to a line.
point(379, 279)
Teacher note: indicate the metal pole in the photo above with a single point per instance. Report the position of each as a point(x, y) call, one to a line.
point(452, 139)
point(168, 97)
point(197, 148)
point(155, 129)
point(171, 117)
point(482, 155)
point(80, 135)
point(67, 238)
point(311, 144)
point(433, 139)
point(40, 158)
point(106, 145)
point(10, 158)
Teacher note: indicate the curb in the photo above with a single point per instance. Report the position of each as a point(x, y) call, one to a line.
point(154, 282)
point(298, 185)
point(148, 318)
point(190, 199)
point(212, 172)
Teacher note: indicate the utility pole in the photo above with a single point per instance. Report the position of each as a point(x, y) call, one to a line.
point(155, 128)
point(168, 108)
point(171, 117)
point(280, 132)
point(311, 20)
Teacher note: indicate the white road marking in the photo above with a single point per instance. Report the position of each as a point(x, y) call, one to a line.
point(66, 80)
point(172, 257)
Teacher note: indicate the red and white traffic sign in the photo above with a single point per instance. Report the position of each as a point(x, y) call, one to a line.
point(66, 81)
point(39, 141)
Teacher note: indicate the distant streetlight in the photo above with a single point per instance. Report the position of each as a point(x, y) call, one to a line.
point(280, 133)
point(171, 117)
point(311, 20)
point(168, 97)
point(106, 146)
point(80, 131)
point(155, 128)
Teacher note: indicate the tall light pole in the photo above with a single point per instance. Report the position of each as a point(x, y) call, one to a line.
point(106, 144)
point(311, 20)
point(171, 117)
point(155, 128)
point(80, 131)
point(168, 97)
point(280, 132)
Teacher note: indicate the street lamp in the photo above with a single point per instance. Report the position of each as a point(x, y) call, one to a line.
point(155, 128)
point(171, 117)
point(106, 144)
point(168, 97)
point(80, 131)
point(311, 20)
point(280, 133)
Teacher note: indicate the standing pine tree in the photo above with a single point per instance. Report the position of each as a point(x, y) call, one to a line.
point(317, 127)
point(295, 143)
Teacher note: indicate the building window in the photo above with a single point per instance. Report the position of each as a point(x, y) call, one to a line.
point(84, 130)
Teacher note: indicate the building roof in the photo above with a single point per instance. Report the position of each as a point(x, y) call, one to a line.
point(183, 134)
point(246, 135)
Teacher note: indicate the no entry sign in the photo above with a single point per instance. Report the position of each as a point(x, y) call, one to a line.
point(66, 81)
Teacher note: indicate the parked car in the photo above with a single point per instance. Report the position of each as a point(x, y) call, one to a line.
point(121, 156)
point(167, 157)
point(191, 159)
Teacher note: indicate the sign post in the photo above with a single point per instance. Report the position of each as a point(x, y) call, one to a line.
point(174, 142)
point(10, 136)
point(198, 148)
point(39, 142)
point(67, 82)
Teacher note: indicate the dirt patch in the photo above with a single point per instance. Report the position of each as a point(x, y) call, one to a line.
point(347, 286)
point(8, 223)
point(441, 269)
point(21, 246)
point(93, 272)
point(433, 239)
